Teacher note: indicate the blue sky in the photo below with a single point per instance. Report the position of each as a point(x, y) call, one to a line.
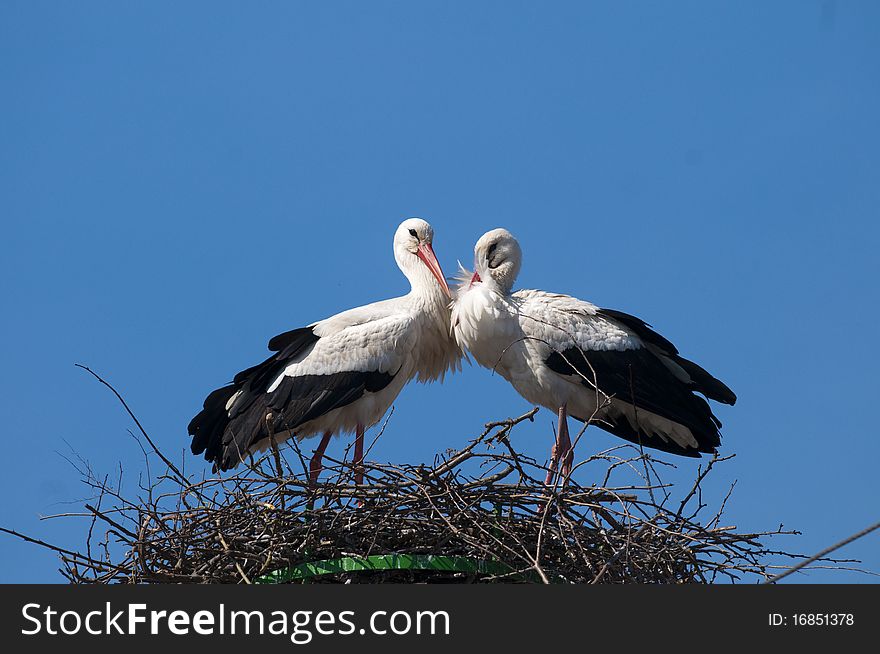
point(180, 183)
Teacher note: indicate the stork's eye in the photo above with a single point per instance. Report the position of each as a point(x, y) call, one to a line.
point(492, 248)
point(412, 233)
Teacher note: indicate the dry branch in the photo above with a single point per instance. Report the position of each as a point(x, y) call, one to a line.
point(483, 510)
point(485, 503)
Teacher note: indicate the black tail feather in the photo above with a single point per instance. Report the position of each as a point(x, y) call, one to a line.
point(705, 383)
point(207, 427)
point(211, 427)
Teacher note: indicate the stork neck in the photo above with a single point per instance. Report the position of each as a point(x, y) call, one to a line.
point(421, 280)
point(424, 289)
point(430, 298)
point(427, 293)
point(491, 284)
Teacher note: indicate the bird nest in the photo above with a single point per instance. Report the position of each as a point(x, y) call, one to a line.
point(479, 514)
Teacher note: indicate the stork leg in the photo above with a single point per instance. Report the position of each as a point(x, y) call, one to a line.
point(359, 455)
point(561, 454)
point(567, 454)
point(315, 466)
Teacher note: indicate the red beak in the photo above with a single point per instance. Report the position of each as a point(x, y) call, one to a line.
point(474, 279)
point(426, 254)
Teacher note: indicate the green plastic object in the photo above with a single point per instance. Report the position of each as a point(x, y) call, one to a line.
point(306, 571)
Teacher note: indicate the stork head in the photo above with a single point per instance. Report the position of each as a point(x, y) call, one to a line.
point(415, 256)
point(497, 260)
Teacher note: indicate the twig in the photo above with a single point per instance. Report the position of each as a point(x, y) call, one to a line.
point(824, 553)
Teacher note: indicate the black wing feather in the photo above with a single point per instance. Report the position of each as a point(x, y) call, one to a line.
point(703, 382)
point(638, 377)
point(226, 435)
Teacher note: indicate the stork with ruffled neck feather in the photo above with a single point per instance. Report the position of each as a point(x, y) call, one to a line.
point(574, 358)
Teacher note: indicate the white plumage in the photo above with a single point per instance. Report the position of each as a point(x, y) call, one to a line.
point(575, 358)
point(340, 374)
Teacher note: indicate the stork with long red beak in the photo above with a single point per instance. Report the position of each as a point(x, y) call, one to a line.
point(570, 356)
point(340, 374)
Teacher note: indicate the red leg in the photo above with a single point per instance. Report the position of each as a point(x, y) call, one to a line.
point(562, 453)
point(557, 449)
point(359, 456)
point(315, 466)
point(567, 453)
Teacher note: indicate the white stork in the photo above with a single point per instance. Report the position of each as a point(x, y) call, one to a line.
point(339, 374)
point(570, 356)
